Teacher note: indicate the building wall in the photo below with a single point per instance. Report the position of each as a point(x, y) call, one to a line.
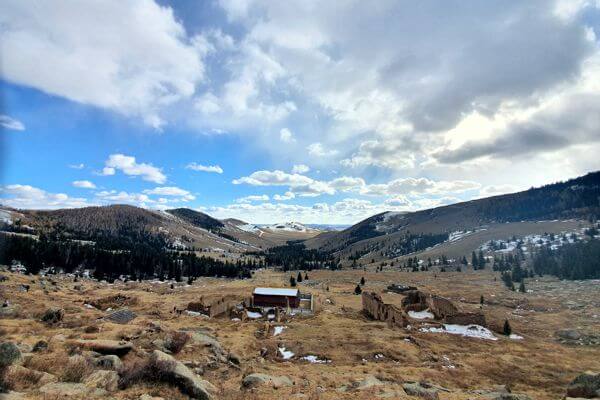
point(261, 300)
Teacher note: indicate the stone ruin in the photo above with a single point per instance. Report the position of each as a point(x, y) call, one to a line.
point(221, 306)
point(375, 308)
point(415, 300)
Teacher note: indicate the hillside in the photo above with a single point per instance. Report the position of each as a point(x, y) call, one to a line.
point(390, 232)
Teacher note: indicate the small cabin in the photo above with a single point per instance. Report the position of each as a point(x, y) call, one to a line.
point(276, 297)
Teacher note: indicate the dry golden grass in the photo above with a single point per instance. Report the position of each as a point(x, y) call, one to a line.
point(537, 365)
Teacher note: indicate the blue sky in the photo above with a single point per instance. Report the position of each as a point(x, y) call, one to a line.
point(319, 113)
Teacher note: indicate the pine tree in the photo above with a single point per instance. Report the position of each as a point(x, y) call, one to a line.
point(305, 276)
point(299, 278)
point(357, 290)
point(522, 287)
point(362, 281)
point(506, 329)
point(481, 300)
point(292, 281)
point(474, 261)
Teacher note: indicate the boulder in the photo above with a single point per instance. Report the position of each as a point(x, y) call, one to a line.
point(10, 354)
point(568, 334)
point(175, 371)
point(110, 361)
point(53, 315)
point(118, 348)
point(505, 396)
point(234, 358)
point(41, 345)
point(107, 380)
point(368, 382)
point(419, 390)
point(12, 396)
point(17, 373)
point(586, 385)
point(61, 390)
point(258, 379)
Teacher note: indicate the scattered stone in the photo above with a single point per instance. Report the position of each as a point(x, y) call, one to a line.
point(122, 316)
point(586, 385)
point(118, 348)
point(107, 380)
point(61, 390)
point(41, 345)
point(258, 379)
point(188, 382)
point(53, 315)
point(10, 354)
point(234, 358)
point(506, 396)
point(368, 382)
point(108, 362)
point(421, 390)
point(568, 334)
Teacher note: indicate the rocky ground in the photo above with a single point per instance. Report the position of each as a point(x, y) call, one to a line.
point(58, 343)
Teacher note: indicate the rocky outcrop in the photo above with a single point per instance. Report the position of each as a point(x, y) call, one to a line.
point(176, 372)
point(258, 379)
point(107, 380)
point(421, 390)
point(10, 354)
point(60, 390)
point(109, 361)
point(586, 385)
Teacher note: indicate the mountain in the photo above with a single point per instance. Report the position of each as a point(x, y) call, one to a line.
point(388, 234)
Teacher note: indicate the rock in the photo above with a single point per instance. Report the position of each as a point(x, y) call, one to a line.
point(122, 316)
point(416, 389)
point(10, 311)
point(234, 358)
point(27, 378)
point(107, 380)
point(148, 397)
point(368, 382)
point(59, 338)
point(9, 354)
point(25, 348)
point(505, 396)
point(41, 345)
point(12, 396)
point(65, 390)
point(569, 334)
point(118, 348)
point(258, 379)
point(53, 315)
point(188, 382)
point(586, 385)
point(110, 361)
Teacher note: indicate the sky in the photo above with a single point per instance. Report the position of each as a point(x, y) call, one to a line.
point(310, 111)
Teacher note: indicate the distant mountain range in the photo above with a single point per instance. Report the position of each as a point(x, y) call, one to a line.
point(385, 233)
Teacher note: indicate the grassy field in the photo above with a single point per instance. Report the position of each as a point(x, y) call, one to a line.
point(356, 347)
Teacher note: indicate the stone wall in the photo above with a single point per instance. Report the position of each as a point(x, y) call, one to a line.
point(375, 308)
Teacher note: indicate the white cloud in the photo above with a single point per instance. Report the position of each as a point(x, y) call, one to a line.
point(29, 197)
point(10, 123)
point(253, 198)
point(317, 150)
point(286, 136)
point(300, 169)
point(418, 186)
point(284, 197)
point(171, 191)
point(77, 166)
point(129, 166)
point(131, 57)
point(273, 178)
point(84, 184)
point(205, 168)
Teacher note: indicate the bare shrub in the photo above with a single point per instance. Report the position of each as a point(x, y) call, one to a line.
point(19, 378)
point(76, 369)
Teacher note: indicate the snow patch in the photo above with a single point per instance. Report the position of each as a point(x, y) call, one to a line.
point(474, 331)
point(278, 330)
point(314, 359)
point(426, 314)
point(253, 314)
point(285, 354)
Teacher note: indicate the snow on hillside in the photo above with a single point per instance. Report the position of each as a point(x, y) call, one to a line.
point(249, 228)
point(288, 227)
point(5, 216)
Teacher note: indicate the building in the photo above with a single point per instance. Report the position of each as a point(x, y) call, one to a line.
point(276, 297)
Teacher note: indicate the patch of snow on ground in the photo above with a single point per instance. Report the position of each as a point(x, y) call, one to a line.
point(474, 331)
point(285, 354)
point(253, 314)
point(314, 359)
point(426, 314)
point(249, 228)
point(514, 336)
point(278, 330)
point(195, 314)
